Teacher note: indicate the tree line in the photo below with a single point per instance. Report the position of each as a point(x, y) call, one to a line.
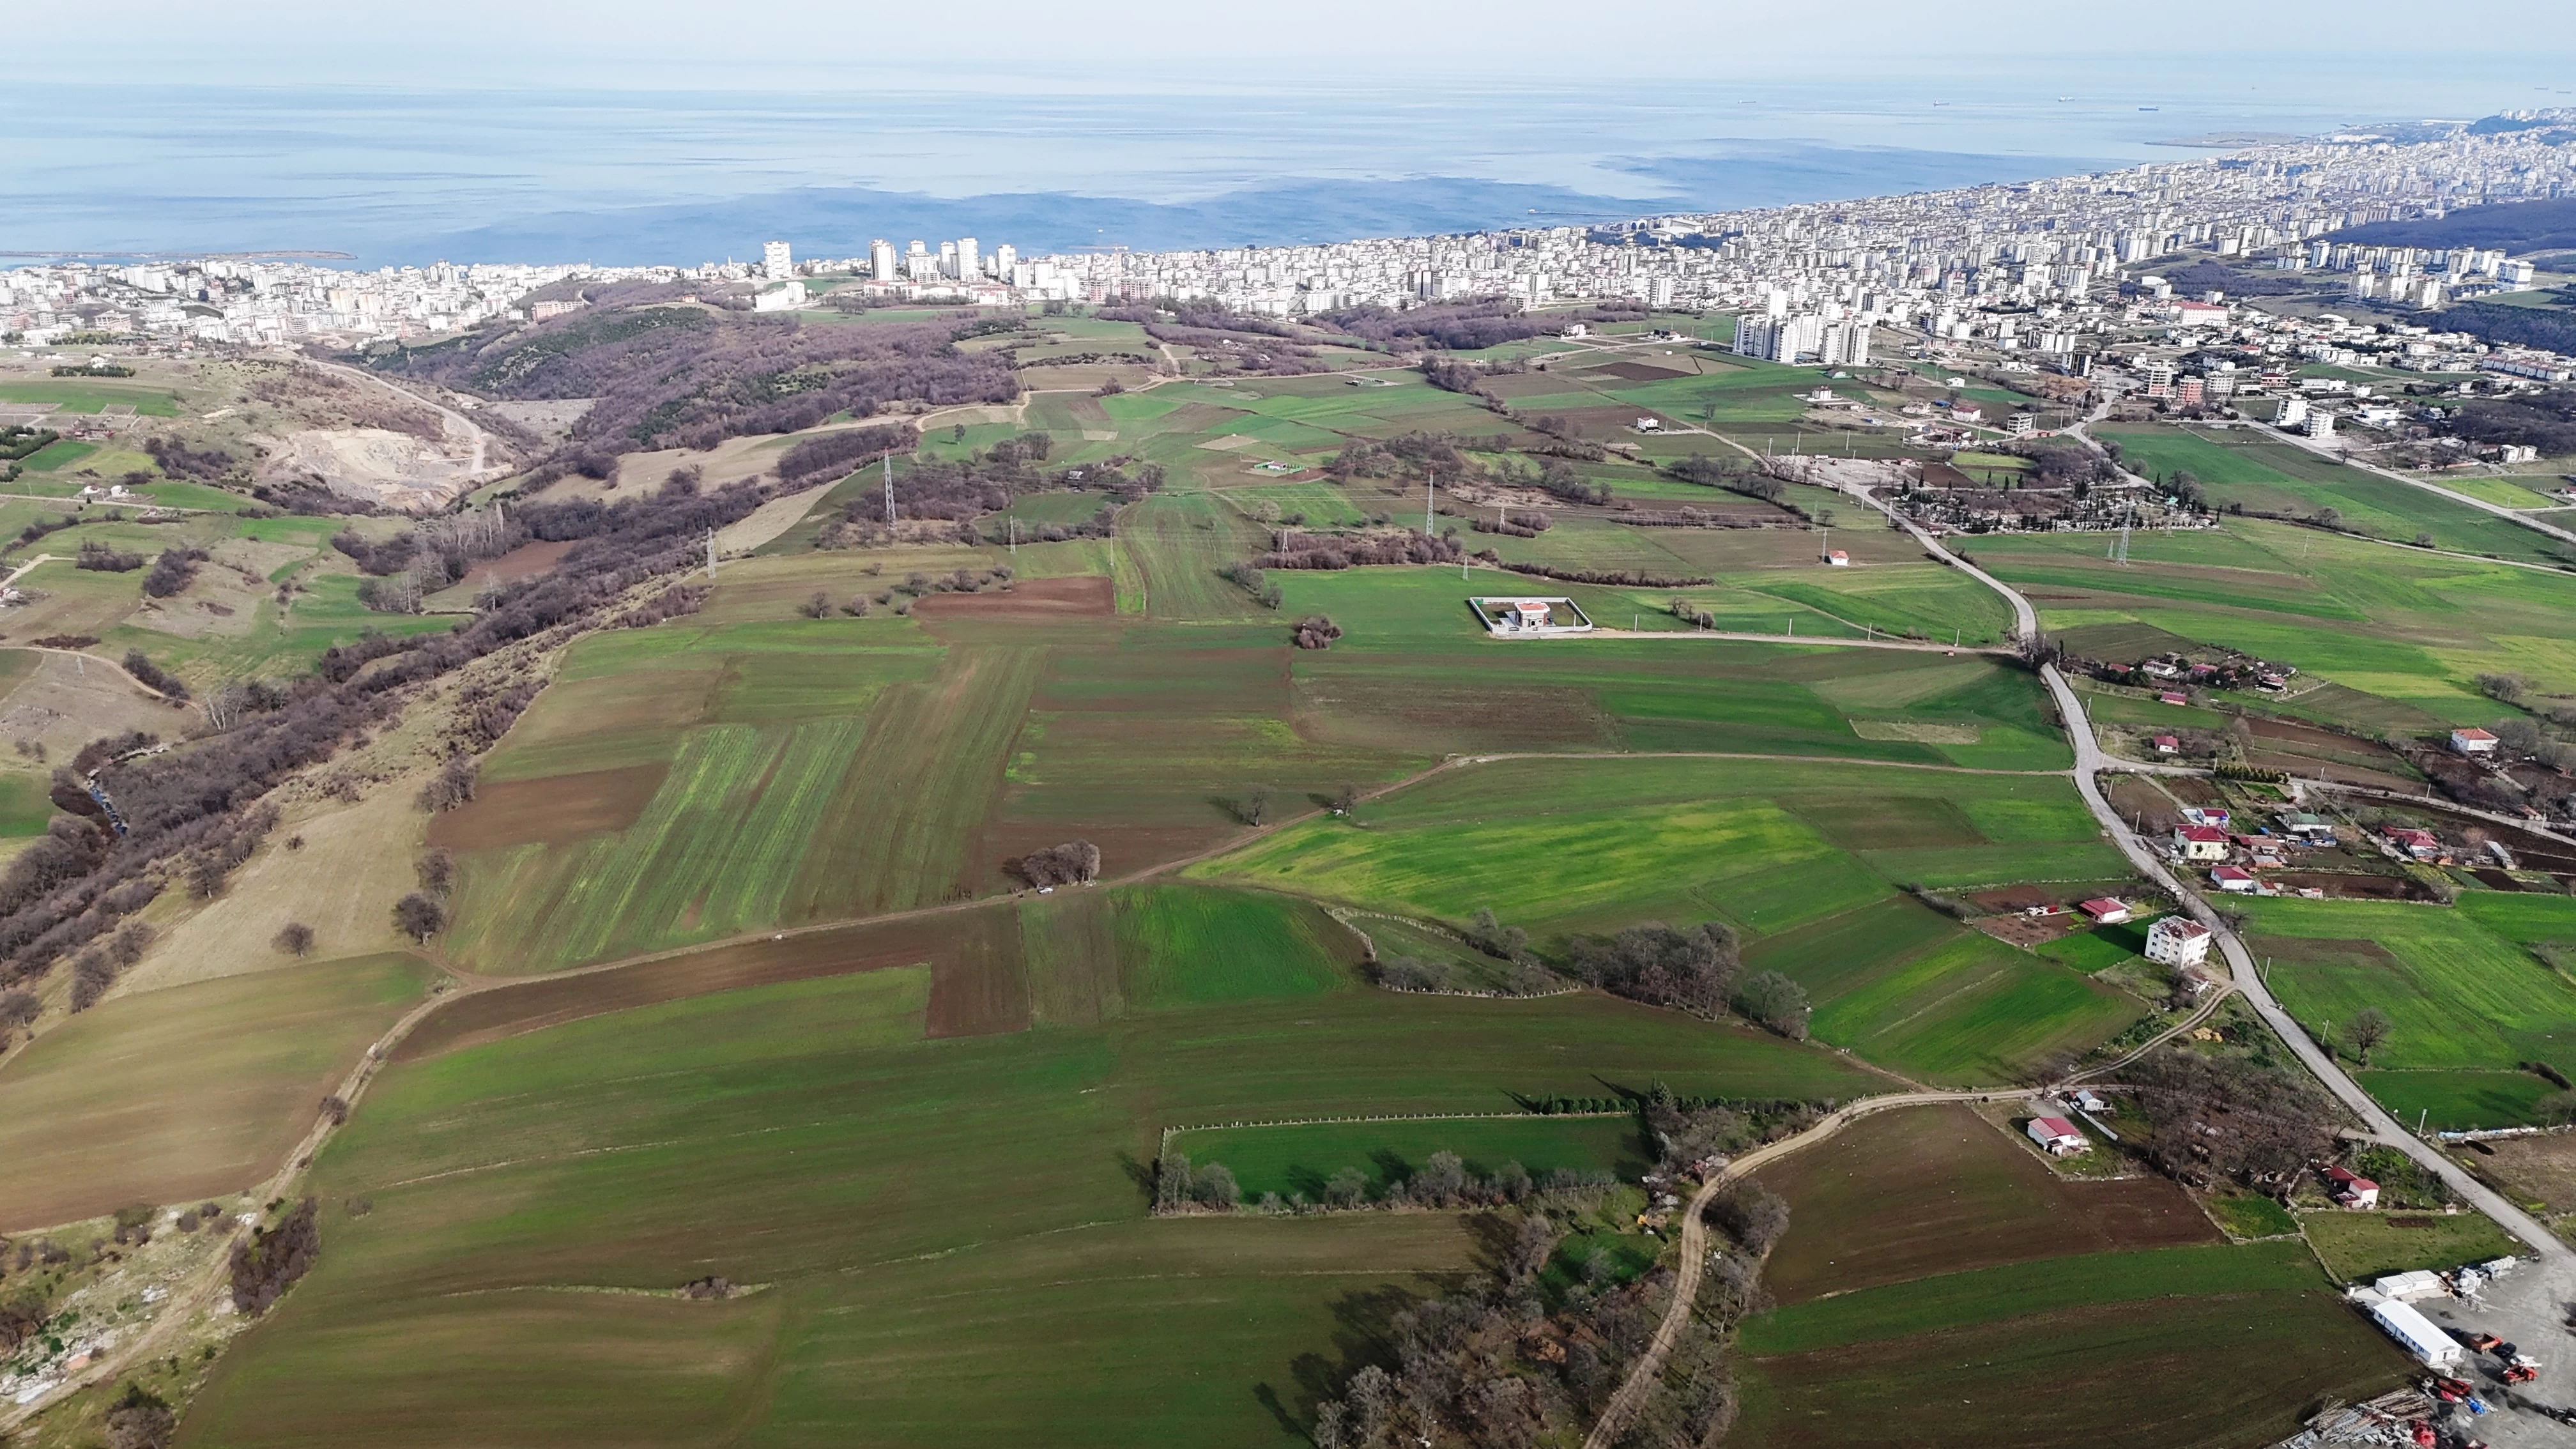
point(194, 810)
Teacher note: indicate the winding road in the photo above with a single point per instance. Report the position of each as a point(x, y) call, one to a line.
point(2528, 1309)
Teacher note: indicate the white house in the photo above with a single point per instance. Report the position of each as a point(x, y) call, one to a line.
point(2178, 941)
point(2200, 842)
point(2473, 741)
point(2057, 1137)
point(2232, 878)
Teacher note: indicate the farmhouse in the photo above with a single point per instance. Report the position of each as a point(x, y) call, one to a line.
point(2200, 842)
point(2312, 829)
point(2419, 843)
point(2232, 878)
point(2173, 696)
point(2207, 815)
point(2167, 744)
point(2473, 741)
point(2105, 910)
point(2178, 941)
point(1838, 559)
point(2057, 1137)
point(2350, 1189)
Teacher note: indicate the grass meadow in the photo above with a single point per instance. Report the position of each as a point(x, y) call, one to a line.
point(2401, 634)
point(1804, 859)
point(2271, 475)
point(2467, 1002)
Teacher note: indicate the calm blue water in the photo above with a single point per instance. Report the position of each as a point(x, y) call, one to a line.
point(626, 176)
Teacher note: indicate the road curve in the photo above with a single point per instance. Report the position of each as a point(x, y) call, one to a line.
point(1694, 1247)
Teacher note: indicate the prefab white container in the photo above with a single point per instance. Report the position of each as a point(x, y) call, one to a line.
point(2415, 1333)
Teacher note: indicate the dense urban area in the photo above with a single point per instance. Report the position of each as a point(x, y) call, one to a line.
point(1945, 820)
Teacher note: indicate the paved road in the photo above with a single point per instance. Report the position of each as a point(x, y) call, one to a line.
point(2550, 1289)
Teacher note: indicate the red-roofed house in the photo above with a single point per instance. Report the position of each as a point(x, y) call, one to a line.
point(2167, 744)
point(2173, 696)
point(2351, 1190)
point(2232, 878)
point(2105, 910)
point(2200, 842)
point(2473, 741)
point(2057, 1137)
point(2421, 844)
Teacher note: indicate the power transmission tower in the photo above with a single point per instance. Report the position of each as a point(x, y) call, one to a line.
point(889, 489)
point(2120, 550)
point(711, 553)
point(1428, 487)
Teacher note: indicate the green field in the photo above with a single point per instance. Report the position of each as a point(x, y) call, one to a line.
point(2274, 476)
point(1784, 852)
point(2467, 1005)
point(847, 1056)
point(89, 395)
point(968, 1206)
point(2401, 634)
point(2357, 1247)
point(188, 1091)
point(1297, 1159)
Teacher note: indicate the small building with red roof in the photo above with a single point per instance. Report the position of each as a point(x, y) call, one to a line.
point(2057, 1137)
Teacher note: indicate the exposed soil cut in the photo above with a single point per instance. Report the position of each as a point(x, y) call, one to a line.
point(551, 809)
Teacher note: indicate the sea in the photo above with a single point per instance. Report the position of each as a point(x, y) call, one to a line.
point(1050, 161)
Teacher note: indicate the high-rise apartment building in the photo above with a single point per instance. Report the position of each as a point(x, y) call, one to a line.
point(881, 260)
point(775, 264)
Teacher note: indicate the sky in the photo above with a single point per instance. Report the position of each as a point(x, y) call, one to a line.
point(1191, 43)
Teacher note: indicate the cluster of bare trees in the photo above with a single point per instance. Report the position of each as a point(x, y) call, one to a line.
point(173, 571)
point(1315, 631)
point(1458, 326)
point(1615, 578)
point(153, 677)
point(77, 882)
point(98, 557)
point(267, 1263)
point(2213, 1119)
point(1076, 862)
point(836, 454)
point(1334, 551)
point(428, 556)
point(180, 461)
point(1535, 1351)
point(1654, 963)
